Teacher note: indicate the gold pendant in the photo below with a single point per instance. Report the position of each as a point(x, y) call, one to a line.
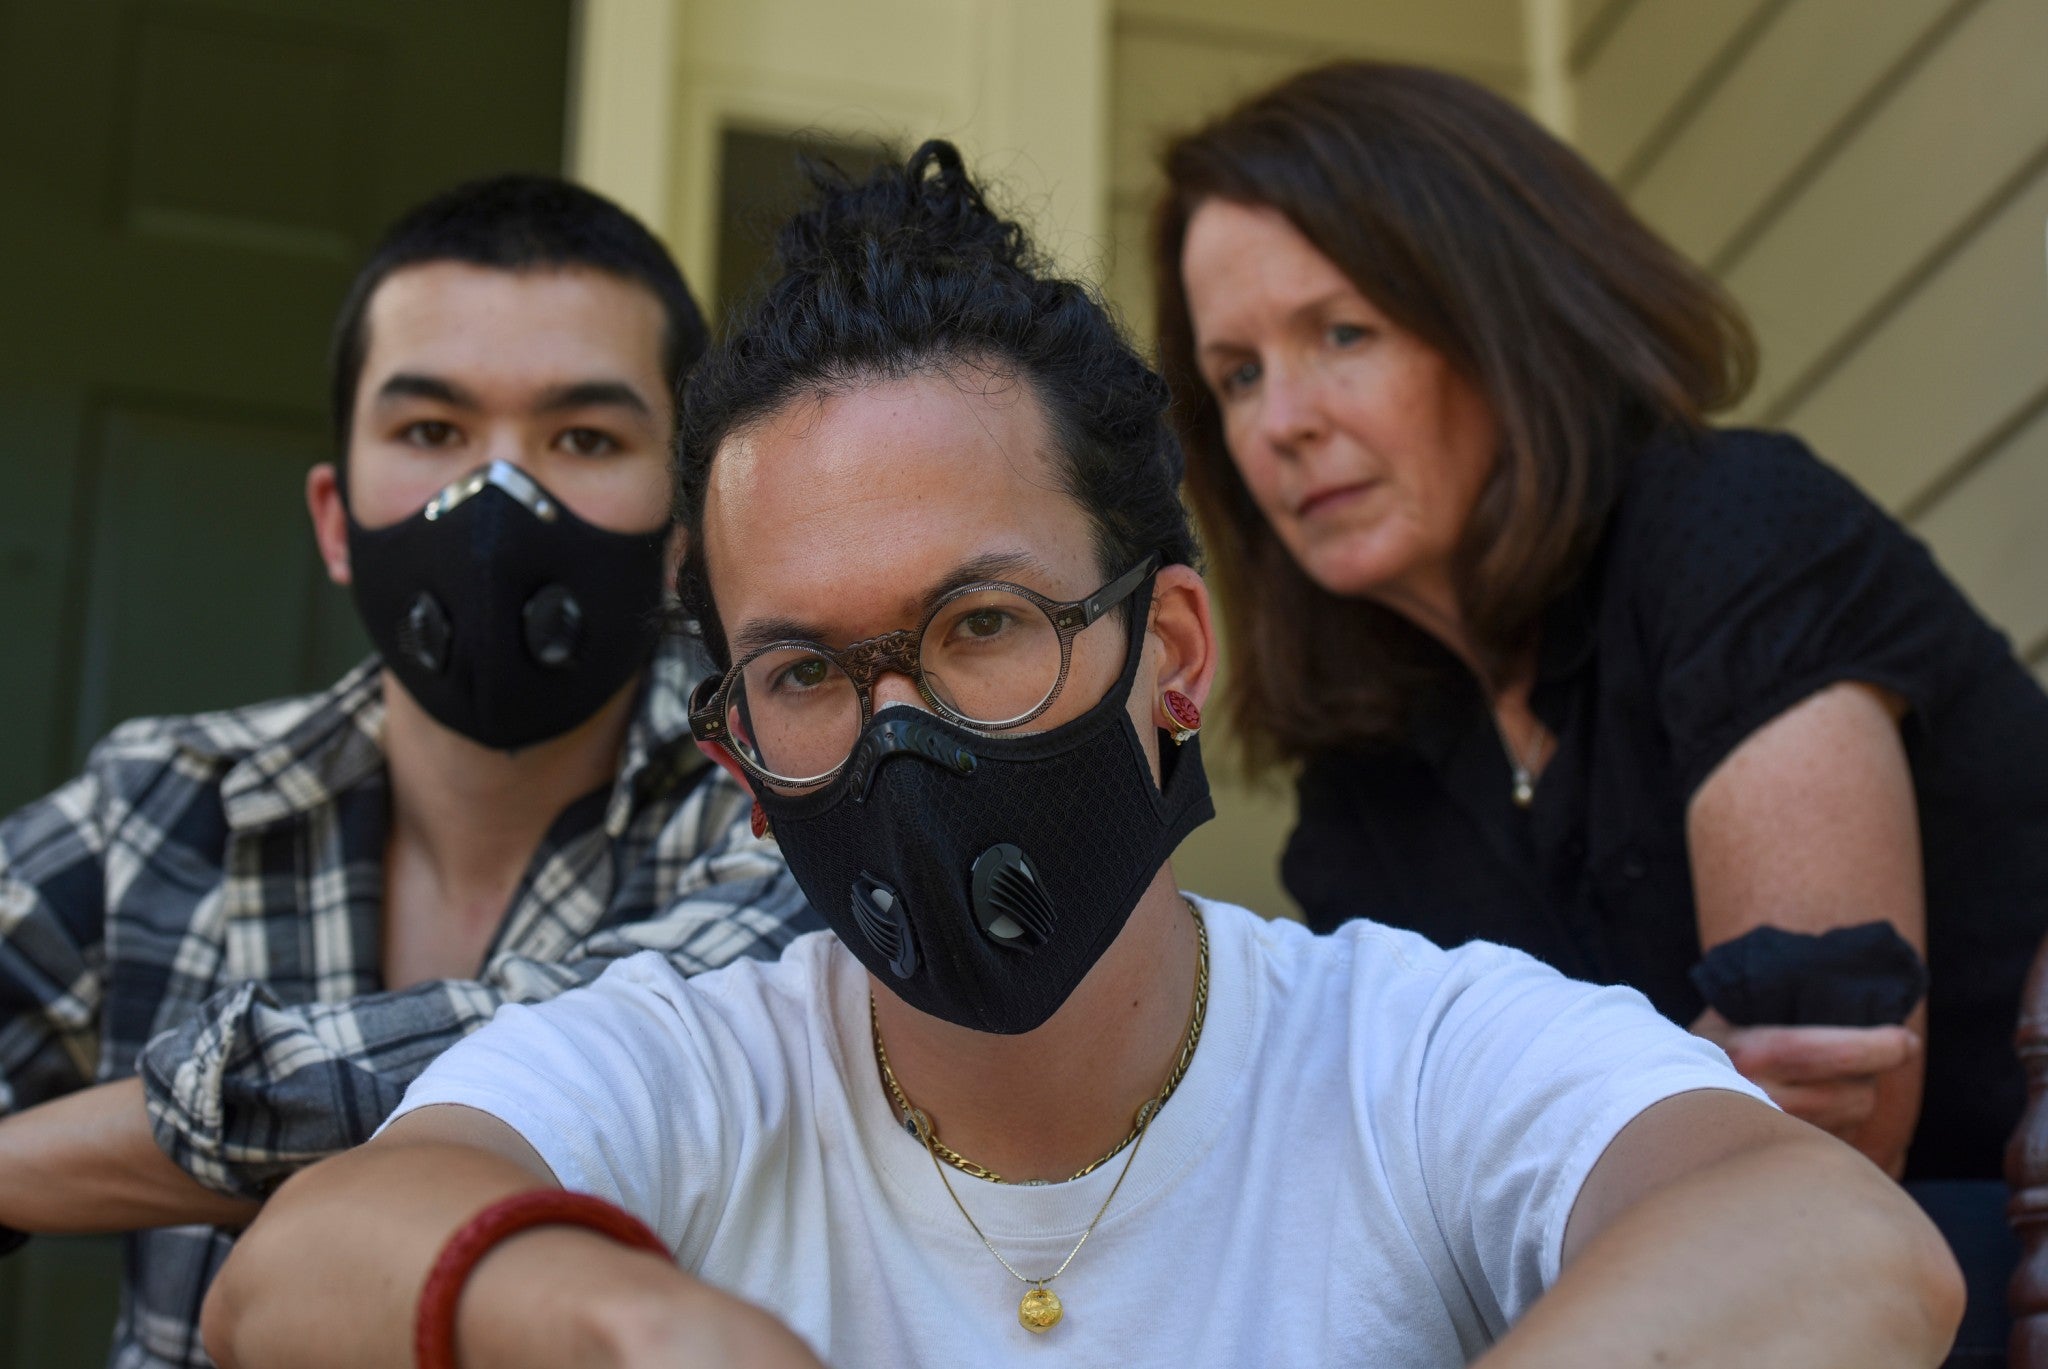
point(1040, 1311)
point(1524, 792)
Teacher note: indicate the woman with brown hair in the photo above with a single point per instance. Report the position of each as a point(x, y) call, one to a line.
point(1559, 665)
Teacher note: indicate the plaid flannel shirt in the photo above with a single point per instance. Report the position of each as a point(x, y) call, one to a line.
point(203, 905)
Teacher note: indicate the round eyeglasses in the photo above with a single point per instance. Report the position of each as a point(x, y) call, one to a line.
point(989, 655)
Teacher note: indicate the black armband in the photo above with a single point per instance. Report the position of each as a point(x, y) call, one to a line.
point(1862, 976)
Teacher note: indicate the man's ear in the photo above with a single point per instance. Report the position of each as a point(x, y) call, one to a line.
point(330, 520)
point(727, 764)
point(1185, 639)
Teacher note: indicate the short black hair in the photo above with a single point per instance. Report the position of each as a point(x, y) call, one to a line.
point(910, 272)
point(515, 223)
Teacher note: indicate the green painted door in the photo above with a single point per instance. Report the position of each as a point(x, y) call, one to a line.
point(185, 189)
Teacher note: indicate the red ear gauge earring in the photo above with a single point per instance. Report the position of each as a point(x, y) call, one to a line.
point(1186, 719)
point(760, 821)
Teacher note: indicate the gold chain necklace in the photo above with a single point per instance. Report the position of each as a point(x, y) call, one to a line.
point(1040, 1309)
point(1180, 1069)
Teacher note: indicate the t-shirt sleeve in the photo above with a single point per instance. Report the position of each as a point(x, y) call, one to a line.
point(1524, 1078)
point(1758, 576)
point(616, 1086)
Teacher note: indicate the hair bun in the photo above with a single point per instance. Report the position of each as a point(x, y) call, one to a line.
point(909, 271)
point(928, 208)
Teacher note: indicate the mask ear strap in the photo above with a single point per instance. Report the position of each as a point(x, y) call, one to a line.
point(1139, 607)
point(1183, 791)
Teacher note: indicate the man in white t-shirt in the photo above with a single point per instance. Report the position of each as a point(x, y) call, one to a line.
point(1026, 1100)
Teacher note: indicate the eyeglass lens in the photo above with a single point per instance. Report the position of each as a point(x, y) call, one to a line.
point(990, 656)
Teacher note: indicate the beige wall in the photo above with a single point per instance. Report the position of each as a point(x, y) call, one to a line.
point(1021, 85)
point(1870, 180)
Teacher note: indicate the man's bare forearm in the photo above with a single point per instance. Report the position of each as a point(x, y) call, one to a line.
point(330, 1276)
point(1798, 1254)
point(87, 1162)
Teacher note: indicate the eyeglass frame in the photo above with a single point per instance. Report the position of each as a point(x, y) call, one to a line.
point(900, 651)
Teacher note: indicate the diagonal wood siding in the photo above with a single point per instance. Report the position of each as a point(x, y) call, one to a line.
point(1871, 181)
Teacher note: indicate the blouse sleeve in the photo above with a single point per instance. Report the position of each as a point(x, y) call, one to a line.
point(1760, 576)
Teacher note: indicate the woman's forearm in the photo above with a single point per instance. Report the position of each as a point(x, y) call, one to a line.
point(88, 1162)
point(1793, 1255)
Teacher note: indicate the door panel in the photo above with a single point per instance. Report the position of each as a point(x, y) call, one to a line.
point(185, 190)
point(198, 590)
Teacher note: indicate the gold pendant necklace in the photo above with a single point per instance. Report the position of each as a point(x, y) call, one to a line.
point(1040, 1309)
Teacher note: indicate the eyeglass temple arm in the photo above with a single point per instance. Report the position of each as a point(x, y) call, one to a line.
point(1117, 590)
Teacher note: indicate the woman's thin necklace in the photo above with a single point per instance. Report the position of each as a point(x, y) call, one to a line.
point(1040, 1309)
point(1523, 784)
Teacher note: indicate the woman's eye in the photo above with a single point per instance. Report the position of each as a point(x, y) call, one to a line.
point(1344, 334)
point(1235, 381)
point(428, 432)
point(588, 442)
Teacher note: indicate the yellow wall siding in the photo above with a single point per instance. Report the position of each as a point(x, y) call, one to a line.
point(1646, 74)
point(1748, 145)
point(1021, 85)
point(1990, 534)
point(1871, 182)
point(1895, 198)
point(1471, 35)
point(1947, 371)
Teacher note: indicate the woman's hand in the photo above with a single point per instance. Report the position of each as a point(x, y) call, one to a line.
point(1828, 1076)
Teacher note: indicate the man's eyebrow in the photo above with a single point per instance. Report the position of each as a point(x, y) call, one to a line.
point(587, 394)
point(1004, 565)
point(413, 385)
point(759, 632)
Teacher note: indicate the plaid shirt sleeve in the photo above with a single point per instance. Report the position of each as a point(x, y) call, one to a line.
point(249, 1090)
point(52, 915)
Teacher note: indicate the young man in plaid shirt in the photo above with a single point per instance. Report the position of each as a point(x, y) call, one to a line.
point(229, 945)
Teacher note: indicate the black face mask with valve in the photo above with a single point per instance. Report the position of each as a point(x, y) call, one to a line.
point(981, 876)
point(508, 618)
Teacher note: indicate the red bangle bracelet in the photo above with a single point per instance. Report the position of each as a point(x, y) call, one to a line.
point(434, 1331)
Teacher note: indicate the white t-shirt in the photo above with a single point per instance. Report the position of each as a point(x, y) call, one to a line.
point(1370, 1161)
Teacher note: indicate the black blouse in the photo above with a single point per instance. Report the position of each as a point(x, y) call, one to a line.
point(1737, 576)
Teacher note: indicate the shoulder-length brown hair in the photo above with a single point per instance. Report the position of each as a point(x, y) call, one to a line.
point(1468, 225)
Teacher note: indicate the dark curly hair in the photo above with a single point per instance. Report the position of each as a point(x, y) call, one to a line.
point(911, 272)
